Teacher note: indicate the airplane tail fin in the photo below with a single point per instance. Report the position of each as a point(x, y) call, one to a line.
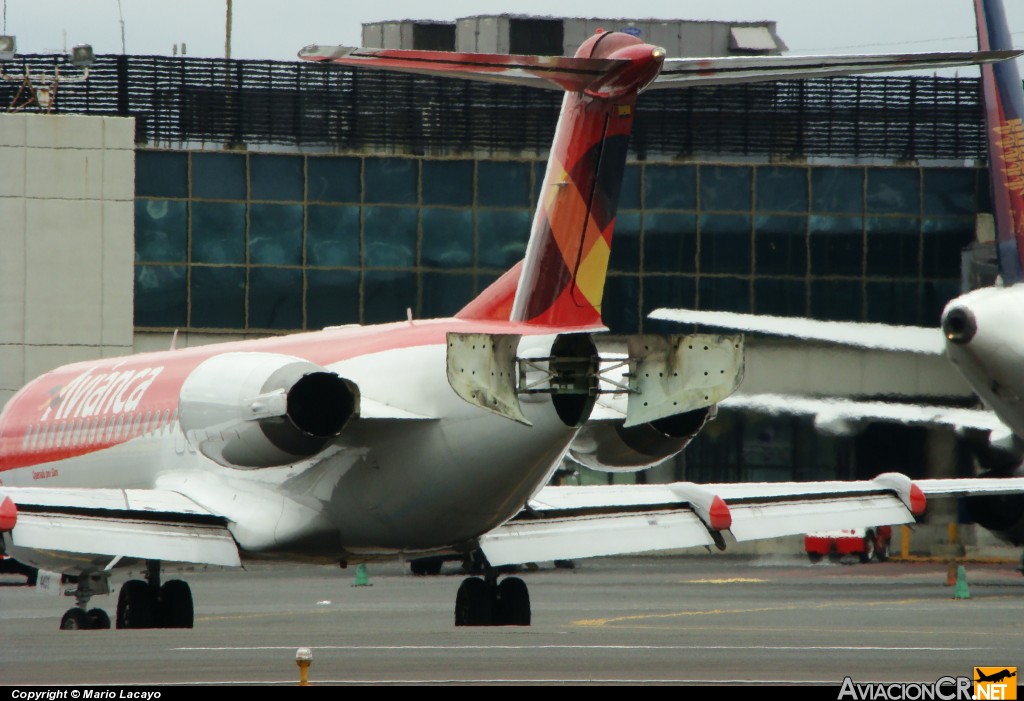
point(1004, 110)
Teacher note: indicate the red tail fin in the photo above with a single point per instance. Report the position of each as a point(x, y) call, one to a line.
point(1004, 110)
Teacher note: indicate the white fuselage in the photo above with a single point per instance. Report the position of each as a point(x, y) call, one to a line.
point(435, 480)
point(985, 340)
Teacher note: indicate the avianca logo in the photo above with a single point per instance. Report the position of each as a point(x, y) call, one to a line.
point(104, 393)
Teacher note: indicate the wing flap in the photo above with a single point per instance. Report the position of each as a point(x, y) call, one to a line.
point(782, 518)
point(153, 524)
point(91, 536)
point(567, 538)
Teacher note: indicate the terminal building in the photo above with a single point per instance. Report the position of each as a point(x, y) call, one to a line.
point(220, 199)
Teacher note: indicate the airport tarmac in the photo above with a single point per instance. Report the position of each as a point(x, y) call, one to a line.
point(704, 620)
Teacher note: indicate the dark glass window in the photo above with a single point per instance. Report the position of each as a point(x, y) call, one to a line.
point(837, 245)
point(218, 297)
point(332, 179)
point(501, 237)
point(275, 234)
point(448, 182)
point(390, 180)
point(668, 291)
point(161, 298)
point(503, 184)
point(726, 294)
point(629, 195)
point(218, 176)
point(670, 242)
point(670, 187)
point(780, 297)
point(447, 238)
point(781, 189)
point(332, 236)
point(620, 308)
point(218, 232)
point(275, 298)
point(332, 298)
point(725, 244)
point(892, 302)
point(838, 300)
point(943, 240)
point(893, 191)
point(160, 227)
point(444, 294)
point(387, 294)
point(625, 256)
point(275, 177)
point(839, 190)
point(936, 295)
point(780, 245)
point(725, 188)
point(893, 246)
point(389, 237)
point(949, 192)
point(161, 174)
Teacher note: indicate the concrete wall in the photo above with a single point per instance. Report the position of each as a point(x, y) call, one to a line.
point(67, 242)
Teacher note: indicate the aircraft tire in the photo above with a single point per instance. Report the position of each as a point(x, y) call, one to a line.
point(176, 610)
point(136, 605)
point(75, 619)
point(513, 603)
point(98, 619)
point(474, 603)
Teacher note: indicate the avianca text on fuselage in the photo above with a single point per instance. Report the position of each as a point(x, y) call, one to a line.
point(101, 394)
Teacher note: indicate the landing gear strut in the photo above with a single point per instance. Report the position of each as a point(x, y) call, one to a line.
point(81, 617)
point(485, 602)
point(140, 604)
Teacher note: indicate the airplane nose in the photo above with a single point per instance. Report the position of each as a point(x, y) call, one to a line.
point(959, 326)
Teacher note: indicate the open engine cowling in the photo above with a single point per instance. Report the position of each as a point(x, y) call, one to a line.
point(611, 447)
point(252, 410)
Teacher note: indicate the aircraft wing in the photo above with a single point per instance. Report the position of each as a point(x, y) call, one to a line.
point(153, 524)
point(830, 414)
point(971, 486)
point(681, 72)
point(910, 339)
point(577, 522)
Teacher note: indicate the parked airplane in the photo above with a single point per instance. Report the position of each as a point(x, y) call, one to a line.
point(418, 437)
point(980, 330)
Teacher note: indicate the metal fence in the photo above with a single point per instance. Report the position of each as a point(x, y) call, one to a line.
point(184, 100)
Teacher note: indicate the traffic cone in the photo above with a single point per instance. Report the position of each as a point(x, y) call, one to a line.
point(951, 574)
point(362, 578)
point(961, 591)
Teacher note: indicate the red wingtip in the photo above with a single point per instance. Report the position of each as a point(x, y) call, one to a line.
point(918, 502)
point(719, 515)
point(8, 515)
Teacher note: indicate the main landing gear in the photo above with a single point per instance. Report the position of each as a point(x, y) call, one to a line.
point(140, 604)
point(485, 602)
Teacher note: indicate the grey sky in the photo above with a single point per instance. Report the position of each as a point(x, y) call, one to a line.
point(276, 29)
